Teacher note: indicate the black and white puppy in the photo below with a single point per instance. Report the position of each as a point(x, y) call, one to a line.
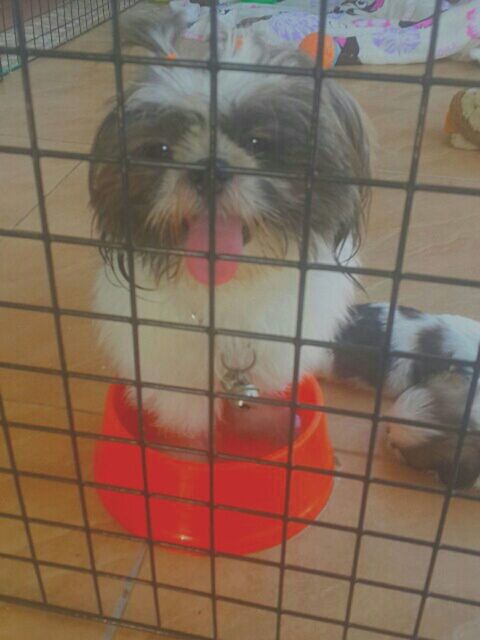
point(264, 122)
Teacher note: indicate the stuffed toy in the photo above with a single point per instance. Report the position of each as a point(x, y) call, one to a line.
point(463, 120)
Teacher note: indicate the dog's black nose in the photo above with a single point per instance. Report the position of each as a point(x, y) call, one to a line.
point(200, 180)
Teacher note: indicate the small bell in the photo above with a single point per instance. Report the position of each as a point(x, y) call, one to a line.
point(249, 390)
point(236, 381)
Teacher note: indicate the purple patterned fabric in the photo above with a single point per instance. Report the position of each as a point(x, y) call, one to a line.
point(360, 36)
point(294, 25)
point(473, 23)
point(396, 41)
point(369, 23)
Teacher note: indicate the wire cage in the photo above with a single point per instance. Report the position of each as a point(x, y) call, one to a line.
point(48, 25)
point(36, 34)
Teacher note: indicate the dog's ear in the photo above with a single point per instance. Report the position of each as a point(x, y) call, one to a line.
point(356, 128)
point(157, 30)
point(106, 180)
point(345, 133)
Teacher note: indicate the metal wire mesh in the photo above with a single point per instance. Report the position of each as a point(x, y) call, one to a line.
point(50, 24)
point(66, 21)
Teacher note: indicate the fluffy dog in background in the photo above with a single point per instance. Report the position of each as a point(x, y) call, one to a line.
point(264, 122)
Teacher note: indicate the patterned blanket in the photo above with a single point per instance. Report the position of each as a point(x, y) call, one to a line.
point(364, 31)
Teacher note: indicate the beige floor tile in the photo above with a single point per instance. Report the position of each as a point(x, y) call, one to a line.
point(98, 517)
point(11, 92)
point(86, 452)
point(394, 125)
point(29, 340)
point(52, 500)
point(403, 512)
point(43, 391)
point(39, 399)
point(179, 569)
point(322, 549)
point(118, 555)
point(446, 620)
point(344, 504)
point(456, 574)
point(394, 563)
point(349, 437)
point(18, 579)
point(302, 629)
point(88, 400)
point(22, 622)
point(435, 245)
point(384, 608)
point(69, 98)
point(75, 268)
point(18, 197)
point(440, 163)
point(32, 450)
point(455, 69)
point(24, 281)
point(272, 554)
point(133, 602)
point(315, 595)
point(4, 457)
point(185, 612)
point(131, 634)
point(382, 228)
point(81, 346)
point(58, 544)
point(358, 634)
point(88, 421)
point(251, 582)
point(68, 588)
point(462, 527)
point(437, 298)
point(9, 495)
point(141, 605)
point(67, 205)
point(37, 414)
point(13, 538)
point(237, 622)
point(98, 40)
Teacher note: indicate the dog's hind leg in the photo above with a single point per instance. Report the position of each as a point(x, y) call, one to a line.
point(429, 390)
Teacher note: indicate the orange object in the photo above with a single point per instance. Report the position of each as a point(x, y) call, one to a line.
point(449, 127)
point(172, 56)
point(309, 45)
point(248, 485)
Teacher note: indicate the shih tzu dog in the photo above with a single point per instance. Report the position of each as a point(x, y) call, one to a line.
point(263, 123)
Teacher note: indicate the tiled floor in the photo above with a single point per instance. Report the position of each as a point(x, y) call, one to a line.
point(70, 98)
point(48, 25)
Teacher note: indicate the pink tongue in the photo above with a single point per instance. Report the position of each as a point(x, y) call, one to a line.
point(228, 239)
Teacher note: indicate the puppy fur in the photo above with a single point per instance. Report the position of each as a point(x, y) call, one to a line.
point(264, 122)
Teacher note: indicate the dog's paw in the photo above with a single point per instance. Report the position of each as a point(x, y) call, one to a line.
point(393, 448)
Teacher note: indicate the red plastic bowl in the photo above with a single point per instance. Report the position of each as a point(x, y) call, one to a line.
point(248, 485)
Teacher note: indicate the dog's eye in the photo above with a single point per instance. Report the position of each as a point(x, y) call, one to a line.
point(362, 4)
point(155, 151)
point(257, 145)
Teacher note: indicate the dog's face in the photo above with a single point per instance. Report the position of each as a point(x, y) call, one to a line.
point(263, 123)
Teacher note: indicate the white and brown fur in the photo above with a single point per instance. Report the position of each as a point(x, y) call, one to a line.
point(167, 111)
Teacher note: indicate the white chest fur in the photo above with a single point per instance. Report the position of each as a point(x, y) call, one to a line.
point(265, 303)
